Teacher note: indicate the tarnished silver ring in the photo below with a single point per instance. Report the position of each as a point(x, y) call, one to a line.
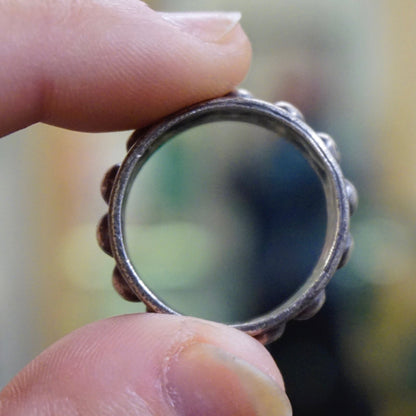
point(284, 120)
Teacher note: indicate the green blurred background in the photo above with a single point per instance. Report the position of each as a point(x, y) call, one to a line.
point(232, 219)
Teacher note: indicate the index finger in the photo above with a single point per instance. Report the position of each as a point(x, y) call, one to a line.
point(101, 66)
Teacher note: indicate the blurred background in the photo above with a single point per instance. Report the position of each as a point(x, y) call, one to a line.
point(225, 221)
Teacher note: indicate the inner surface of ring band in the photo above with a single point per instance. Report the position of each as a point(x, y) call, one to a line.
point(282, 124)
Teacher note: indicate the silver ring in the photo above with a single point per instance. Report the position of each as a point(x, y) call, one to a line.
point(284, 120)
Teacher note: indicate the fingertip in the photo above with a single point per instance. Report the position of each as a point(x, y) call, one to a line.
point(206, 380)
point(125, 364)
point(102, 66)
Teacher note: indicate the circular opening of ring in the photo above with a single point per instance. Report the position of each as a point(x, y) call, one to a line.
point(225, 221)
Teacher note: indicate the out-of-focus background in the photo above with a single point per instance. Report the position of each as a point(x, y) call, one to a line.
point(225, 222)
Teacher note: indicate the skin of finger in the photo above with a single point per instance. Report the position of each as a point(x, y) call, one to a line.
point(106, 65)
point(116, 365)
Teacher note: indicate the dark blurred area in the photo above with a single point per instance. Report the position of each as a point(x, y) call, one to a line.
point(226, 220)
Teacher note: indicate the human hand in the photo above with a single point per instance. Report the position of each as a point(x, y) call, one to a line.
point(99, 65)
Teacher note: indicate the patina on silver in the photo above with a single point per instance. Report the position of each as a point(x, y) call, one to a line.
point(285, 121)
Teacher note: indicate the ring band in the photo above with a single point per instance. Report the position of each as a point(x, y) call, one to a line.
point(284, 120)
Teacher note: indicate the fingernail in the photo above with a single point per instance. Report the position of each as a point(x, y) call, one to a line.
point(207, 26)
point(204, 380)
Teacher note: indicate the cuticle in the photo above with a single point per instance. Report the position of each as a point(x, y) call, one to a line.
point(184, 338)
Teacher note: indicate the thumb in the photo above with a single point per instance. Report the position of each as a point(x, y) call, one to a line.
point(150, 364)
point(111, 65)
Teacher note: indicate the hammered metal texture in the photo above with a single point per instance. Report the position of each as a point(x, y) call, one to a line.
point(352, 196)
point(286, 120)
point(331, 145)
point(103, 236)
point(122, 288)
point(347, 251)
point(108, 182)
point(313, 307)
point(291, 109)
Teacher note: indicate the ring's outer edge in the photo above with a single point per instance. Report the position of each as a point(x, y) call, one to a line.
point(269, 326)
